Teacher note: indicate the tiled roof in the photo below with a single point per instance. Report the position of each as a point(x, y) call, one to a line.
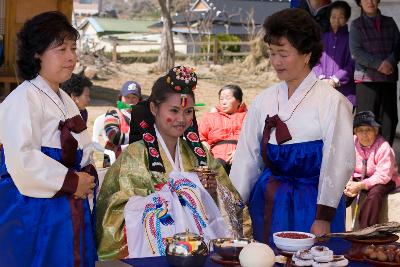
point(117, 25)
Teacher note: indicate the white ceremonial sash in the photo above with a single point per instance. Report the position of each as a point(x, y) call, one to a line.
point(180, 204)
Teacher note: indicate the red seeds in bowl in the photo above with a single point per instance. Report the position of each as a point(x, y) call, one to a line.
point(293, 235)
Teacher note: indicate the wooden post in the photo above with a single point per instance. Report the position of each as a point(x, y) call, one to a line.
point(215, 56)
point(7, 89)
point(114, 52)
point(7, 81)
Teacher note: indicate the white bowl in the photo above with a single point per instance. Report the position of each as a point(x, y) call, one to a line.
point(293, 244)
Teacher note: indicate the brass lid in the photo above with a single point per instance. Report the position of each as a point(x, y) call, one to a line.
point(187, 236)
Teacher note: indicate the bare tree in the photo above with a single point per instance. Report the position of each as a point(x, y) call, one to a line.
point(256, 60)
point(205, 28)
point(228, 17)
point(166, 59)
point(181, 5)
point(250, 25)
point(189, 16)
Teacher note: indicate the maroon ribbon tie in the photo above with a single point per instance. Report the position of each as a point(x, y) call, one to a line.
point(282, 134)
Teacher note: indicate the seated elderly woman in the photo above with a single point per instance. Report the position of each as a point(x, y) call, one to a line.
point(220, 130)
point(151, 192)
point(376, 168)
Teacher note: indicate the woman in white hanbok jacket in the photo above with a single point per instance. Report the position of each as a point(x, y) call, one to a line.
point(45, 167)
point(295, 151)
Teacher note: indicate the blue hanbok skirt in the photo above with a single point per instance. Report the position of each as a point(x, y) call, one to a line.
point(39, 231)
point(296, 167)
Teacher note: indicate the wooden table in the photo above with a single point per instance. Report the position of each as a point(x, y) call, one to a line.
point(339, 246)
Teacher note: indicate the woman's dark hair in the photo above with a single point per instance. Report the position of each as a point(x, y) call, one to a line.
point(38, 34)
point(299, 28)
point(340, 5)
point(75, 85)
point(358, 2)
point(161, 90)
point(235, 89)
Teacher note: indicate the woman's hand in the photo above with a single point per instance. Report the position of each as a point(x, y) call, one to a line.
point(330, 82)
point(386, 68)
point(209, 182)
point(230, 157)
point(320, 227)
point(85, 185)
point(206, 145)
point(353, 188)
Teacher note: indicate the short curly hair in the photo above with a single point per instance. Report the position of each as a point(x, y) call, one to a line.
point(38, 34)
point(76, 84)
point(358, 2)
point(299, 28)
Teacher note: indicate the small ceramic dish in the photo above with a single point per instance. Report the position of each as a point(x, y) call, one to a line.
point(229, 248)
point(293, 241)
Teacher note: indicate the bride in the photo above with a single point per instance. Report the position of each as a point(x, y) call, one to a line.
point(151, 191)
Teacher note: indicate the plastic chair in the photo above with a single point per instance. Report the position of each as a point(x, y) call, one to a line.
point(98, 130)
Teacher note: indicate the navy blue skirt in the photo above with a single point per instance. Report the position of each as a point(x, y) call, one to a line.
point(297, 168)
point(39, 231)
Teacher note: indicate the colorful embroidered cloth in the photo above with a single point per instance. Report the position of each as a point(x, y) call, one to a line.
point(129, 176)
point(181, 203)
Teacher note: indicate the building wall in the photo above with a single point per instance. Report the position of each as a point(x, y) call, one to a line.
point(139, 45)
point(88, 38)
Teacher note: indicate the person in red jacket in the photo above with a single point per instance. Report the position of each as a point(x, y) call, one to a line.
point(219, 130)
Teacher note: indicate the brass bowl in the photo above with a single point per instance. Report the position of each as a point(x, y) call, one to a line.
point(186, 249)
point(185, 261)
point(229, 248)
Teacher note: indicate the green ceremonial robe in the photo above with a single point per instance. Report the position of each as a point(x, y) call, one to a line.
point(130, 176)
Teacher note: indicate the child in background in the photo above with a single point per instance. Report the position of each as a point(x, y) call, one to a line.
point(336, 65)
point(375, 171)
point(117, 121)
point(78, 88)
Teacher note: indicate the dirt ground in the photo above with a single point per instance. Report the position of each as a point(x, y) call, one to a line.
point(211, 78)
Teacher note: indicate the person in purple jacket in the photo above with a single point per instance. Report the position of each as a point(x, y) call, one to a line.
point(336, 65)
